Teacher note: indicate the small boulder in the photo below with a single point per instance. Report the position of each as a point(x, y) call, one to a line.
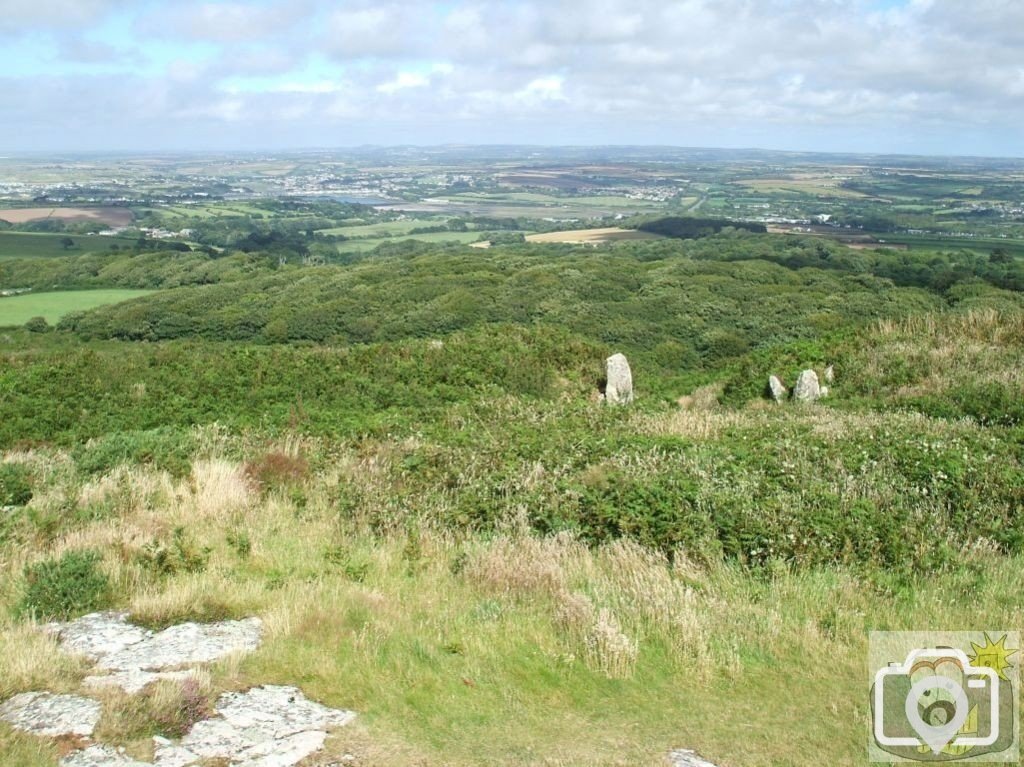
point(683, 757)
point(776, 389)
point(619, 387)
point(807, 388)
point(830, 374)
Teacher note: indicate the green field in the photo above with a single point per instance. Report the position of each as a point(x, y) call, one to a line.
point(977, 244)
point(361, 246)
point(219, 210)
point(383, 228)
point(31, 244)
point(17, 310)
point(533, 198)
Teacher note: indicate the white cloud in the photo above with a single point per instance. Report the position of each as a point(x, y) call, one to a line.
point(79, 50)
point(224, 22)
point(373, 31)
point(542, 89)
point(17, 16)
point(402, 81)
point(689, 68)
point(323, 86)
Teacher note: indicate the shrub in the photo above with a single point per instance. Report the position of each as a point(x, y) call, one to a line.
point(179, 555)
point(355, 566)
point(15, 489)
point(165, 448)
point(277, 469)
point(991, 403)
point(66, 587)
point(240, 542)
point(718, 345)
point(37, 325)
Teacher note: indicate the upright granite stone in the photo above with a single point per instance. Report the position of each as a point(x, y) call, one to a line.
point(619, 389)
point(807, 388)
point(776, 389)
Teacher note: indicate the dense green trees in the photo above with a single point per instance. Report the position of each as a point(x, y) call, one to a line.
point(148, 270)
point(693, 227)
point(713, 309)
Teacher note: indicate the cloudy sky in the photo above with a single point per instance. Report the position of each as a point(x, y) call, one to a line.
point(922, 76)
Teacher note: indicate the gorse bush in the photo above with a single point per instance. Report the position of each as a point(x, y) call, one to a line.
point(162, 448)
point(37, 325)
point(66, 587)
point(178, 555)
point(136, 403)
point(15, 485)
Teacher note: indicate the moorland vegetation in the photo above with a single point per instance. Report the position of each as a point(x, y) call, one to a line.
point(401, 464)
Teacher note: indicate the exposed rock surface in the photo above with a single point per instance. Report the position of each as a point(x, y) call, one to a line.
point(186, 644)
point(685, 758)
point(137, 657)
point(97, 635)
point(268, 726)
point(776, 388)
point(830, 374)
point(44, 713)
point(619, 387)
point(807, 388)
point(100, 756)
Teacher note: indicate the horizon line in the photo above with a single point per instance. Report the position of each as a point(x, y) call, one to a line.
point(6, 154)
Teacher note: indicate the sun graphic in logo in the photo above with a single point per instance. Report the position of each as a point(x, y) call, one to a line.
point(993, 655)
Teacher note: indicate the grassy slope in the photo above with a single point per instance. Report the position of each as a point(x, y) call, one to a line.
point(17, 310)
point(462, 647)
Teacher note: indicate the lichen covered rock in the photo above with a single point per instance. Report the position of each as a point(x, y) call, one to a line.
point(619, 387)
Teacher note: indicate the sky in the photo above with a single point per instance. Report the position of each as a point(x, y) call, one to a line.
point(883, 76)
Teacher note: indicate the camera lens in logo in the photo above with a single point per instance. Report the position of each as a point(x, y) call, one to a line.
point(937, 708)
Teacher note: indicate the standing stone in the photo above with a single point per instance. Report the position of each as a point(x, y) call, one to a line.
point(776, 389)
point(807, 388)
point(619, 389)
point(830, 374)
